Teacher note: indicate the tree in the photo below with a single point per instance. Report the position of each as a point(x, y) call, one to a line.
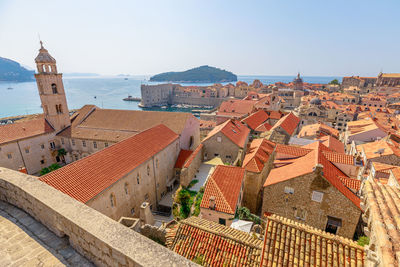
point(334, 82)
point(51, 168)
point(244, 213)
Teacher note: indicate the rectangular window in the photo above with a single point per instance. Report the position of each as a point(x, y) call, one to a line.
point(105, 144)
point(76, 157)
point(94, 144)
point(333, 224)
point(9, 156)
point(288, 190)
point(42, 161)
point(317, 196)
point(27, 150)
point(222, 221)
point(219, 139)
point(42, 146)
point(52, 145)
point(62, 140)
point(83, 143)
point(300, 214)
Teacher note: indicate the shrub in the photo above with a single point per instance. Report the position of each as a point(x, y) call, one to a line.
point(363, 240)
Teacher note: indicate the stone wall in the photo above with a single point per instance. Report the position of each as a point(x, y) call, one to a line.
point(225, 149)
point(100, 239)
point(187, 174)
point(334, 203)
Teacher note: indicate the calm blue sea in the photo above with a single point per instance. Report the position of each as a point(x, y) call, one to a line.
point(23, 98)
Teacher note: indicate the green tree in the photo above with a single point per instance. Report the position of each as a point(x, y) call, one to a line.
point(334, 82)
point(363, 240)
point(244, 213)
point(51, 168)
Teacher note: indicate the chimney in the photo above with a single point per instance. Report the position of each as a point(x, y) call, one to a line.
point(212, 203)
point(146, 217)
point(318, 169)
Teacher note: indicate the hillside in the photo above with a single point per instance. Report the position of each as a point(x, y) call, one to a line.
point(203, 74)
point(12, 71)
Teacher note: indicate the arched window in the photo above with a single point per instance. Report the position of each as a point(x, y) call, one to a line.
point(148, 170)
point(191, 141)
point(112, 200)
point(138, 178)
point(54, 88)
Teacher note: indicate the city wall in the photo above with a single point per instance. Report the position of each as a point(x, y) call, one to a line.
point(203, 101)
point(100, 239)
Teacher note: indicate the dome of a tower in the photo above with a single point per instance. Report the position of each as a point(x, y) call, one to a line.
point(315, 101)
point(44, 56)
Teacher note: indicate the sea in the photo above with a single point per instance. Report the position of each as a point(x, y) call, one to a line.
point(105, 92)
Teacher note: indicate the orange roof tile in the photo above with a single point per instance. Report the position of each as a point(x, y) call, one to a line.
point(21, 130)
point(332, 143)
point(306, 164)
point(288, 123)
point(258, 154)
point(182, 157)
point(236, 107)
point(234, 130)
point(224, 184)
point(193, 155)
point(339, 157)
point(256, 119)
point(86, 178)
point(289, 243)
point(317, 129)
point(263, 127)
point(216, 244)
point(291, 150)
point(351, 183)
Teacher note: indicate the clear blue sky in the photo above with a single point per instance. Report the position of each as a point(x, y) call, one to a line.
point(278, 37)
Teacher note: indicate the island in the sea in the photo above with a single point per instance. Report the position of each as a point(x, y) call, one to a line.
point(202, 74)
point(12, 71)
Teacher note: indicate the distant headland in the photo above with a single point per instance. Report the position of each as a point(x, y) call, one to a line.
point(12, 71)
point(202, 74)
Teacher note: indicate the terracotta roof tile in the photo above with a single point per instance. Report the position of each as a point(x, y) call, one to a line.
point(193, 155)
point(351, 183)
point(21, 130)
point(263, 127)
point(288, 123)
point(382, 205)
point(258, 154)
point(224, 184)
point(292, 150)
point(332, 143)
point(236, 107)
point(182, 157)
point(216, 244)
point(234, 130)
point(256, 119)
point(339, 157)
point(318, 129)
point(86, 178)
point(289, 243)
point(306, 164)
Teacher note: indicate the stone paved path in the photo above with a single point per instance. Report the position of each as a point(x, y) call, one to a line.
point(26, 242)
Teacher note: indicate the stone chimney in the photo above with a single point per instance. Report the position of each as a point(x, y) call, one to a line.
point(318, 169)
point(146, 217)
point(212, 203)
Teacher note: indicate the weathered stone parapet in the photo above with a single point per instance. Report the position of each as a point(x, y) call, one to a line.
point(100, 239)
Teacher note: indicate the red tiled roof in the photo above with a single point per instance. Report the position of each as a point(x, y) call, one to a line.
point(289, 243)
point(182, 157)
point(86, 178)
point(317, 129)
point(236, 106)
point(257, 155)
point(275, 115)
point(332, 143)
point(288, 123)
point(21, 130)
point(305, 165)
point(263, 127)
point(351, 183)
point(339, 157)
point(193, 155)
point(256, 119)
point(217, 245)
point(224, 184)
point(234, 130)
point(292, 150)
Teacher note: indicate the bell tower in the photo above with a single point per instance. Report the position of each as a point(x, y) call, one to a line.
point(51, 90)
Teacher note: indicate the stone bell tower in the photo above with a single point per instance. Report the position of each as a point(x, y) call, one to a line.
point(51, 90)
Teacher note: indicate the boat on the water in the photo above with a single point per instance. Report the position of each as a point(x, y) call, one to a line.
point(10, 88)
point(132, 98)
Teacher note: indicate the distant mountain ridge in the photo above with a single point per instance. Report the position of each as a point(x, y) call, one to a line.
point(12, 71)
point(202, 74)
